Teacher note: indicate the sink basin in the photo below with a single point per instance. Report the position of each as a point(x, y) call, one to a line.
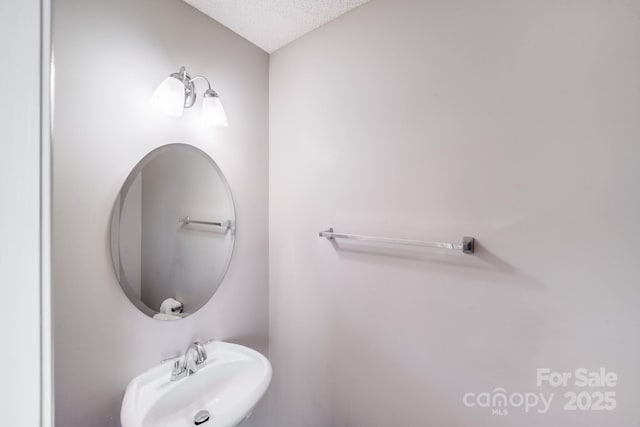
point(225, 391)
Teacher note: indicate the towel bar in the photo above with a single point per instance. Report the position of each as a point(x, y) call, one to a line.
point(467, 245)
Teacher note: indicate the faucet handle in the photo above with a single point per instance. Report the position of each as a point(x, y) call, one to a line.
point(179, 371)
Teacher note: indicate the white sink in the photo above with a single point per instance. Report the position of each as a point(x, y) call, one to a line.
point(227, 387)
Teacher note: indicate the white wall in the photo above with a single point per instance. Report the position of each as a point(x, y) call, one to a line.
point(110, 56)
point(20, 221)
point(512, 121)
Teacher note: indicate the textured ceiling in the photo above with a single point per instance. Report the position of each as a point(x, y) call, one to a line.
point(271, 24)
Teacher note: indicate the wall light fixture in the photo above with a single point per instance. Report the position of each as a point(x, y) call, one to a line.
point(178, 92)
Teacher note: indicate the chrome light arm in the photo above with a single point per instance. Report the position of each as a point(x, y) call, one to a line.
point(201, 77)
point(190, 87)
point(209, 92)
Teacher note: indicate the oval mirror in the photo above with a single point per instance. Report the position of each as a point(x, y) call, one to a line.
point(172, 231)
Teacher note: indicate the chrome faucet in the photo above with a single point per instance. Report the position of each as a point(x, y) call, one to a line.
point(194, 359)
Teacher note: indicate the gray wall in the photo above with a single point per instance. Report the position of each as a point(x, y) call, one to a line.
point(20, 226)
point(512, 121)
point(110, 56)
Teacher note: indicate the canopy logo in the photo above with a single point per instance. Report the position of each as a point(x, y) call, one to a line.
point(500, 401)
point(595, 393)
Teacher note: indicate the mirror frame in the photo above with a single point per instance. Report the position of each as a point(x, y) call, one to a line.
point(115, 241)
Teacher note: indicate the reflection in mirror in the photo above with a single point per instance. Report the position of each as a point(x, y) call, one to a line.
point(172, 231)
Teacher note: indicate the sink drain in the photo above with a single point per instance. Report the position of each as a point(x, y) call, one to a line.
point(201, 417)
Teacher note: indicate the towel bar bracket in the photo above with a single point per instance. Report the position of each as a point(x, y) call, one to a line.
point(468, 245)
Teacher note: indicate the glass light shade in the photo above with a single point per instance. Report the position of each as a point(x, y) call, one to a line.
point(213, 113)
point(169, 97)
